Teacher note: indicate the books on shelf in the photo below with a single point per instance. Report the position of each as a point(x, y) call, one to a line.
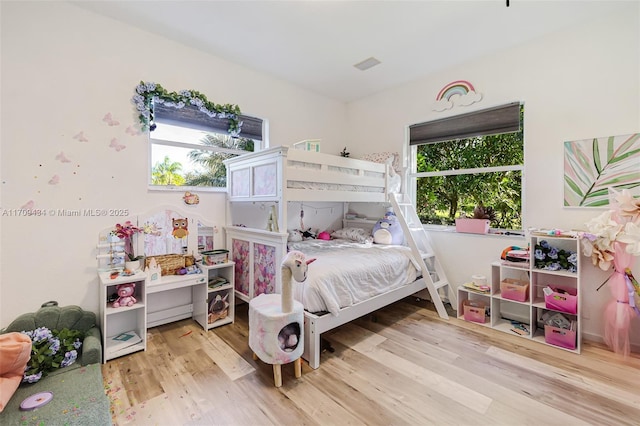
point(484, 289)
point(123, 340)
point(217, 282)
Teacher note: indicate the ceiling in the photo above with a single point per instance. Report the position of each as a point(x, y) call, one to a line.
point(314, 44)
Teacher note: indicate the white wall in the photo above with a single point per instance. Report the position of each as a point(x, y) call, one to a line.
point(63, 69)
point(581, 83)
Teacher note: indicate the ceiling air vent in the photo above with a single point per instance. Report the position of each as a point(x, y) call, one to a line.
point(367, 63)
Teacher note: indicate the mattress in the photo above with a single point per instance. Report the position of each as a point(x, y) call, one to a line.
point(345, 272)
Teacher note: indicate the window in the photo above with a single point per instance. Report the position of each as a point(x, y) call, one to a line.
point(188, 147)
point(460, 162)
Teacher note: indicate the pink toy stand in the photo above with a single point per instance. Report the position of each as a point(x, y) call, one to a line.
point(266, 321)
point(36, 400)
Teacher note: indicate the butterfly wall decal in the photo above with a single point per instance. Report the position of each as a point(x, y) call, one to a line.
point(115, 144)
point(28, 205)
point(62, 158)
point(132, 131)
point(81, 137)
point(110, 120)
point(54, 180)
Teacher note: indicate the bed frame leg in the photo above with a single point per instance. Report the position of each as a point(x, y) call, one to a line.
point(311, 343)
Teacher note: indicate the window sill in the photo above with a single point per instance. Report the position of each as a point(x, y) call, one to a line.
point(195, 189)
point(492, 232)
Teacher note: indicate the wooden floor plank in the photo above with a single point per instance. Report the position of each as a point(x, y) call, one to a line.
point(229, 361)
point(350, 335)
point(518, 404)
point(400, 365)
point(417, 403)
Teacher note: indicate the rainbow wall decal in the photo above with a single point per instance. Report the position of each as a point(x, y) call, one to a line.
point(459, 92)
point(459, 87)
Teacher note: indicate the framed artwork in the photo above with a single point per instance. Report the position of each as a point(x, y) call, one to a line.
point(592, 166)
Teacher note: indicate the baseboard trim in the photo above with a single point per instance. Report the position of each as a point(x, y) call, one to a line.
point(635, 347)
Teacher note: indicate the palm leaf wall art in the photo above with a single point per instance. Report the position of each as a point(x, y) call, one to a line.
point(592, 166)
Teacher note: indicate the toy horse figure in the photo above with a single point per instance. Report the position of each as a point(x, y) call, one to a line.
point(294, 265)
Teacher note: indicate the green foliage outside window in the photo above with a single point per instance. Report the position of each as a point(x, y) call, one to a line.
point(167, 173)
point(213, 172)
point(440, 199)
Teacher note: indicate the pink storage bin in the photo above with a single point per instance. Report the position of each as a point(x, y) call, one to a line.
point(513, 289)
point(565, 300)
point(472, 226)
point(474, 310)
point(560, 337)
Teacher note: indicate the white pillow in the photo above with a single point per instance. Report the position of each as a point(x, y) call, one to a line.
point(358, 235)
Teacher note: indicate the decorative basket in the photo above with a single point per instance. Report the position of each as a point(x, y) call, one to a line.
point(215, 257)
point(171, 263)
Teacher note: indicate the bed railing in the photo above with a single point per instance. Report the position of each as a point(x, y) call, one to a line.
point(297, 175)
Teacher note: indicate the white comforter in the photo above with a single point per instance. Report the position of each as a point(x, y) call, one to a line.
point(347, 272)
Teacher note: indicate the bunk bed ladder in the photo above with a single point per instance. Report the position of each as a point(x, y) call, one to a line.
point(419, 241)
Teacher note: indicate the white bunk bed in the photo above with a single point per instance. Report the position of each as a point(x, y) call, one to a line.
point(279, 175)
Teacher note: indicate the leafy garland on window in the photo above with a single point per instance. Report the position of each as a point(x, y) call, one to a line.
point(148, 93)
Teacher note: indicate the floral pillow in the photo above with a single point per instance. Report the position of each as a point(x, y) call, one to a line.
point(385, 157)
point(358, 235)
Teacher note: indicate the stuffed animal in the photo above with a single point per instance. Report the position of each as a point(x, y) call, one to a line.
point(324, 235)
point(388, 231)
point(298, 235)
point(295, 235)
point(308, 234)
point(125, 295)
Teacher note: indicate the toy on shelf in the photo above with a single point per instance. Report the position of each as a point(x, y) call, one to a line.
point(554, 233)
point(125, 295)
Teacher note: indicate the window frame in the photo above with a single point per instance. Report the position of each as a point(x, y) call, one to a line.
point(413, 176)
point(259, 144)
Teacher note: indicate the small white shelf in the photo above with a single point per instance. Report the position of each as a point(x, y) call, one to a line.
point(170, 282)
point(498, 296)
point(124, 318)
point(105, 278)
point(220, 300)
point(507, 327)
point(110, 310)
point(529, 312)
point(218, 288)
point(110, 353)
point(558, 273)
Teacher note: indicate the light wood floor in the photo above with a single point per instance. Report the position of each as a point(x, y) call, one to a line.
point(401, 366)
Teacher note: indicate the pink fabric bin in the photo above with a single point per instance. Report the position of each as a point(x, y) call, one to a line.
point(561, 301)
point(513, 289)
point(472, 226)
point(560, 337)
point(474, 311)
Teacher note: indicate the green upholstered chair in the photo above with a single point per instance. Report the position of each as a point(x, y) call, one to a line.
point(73, 317)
